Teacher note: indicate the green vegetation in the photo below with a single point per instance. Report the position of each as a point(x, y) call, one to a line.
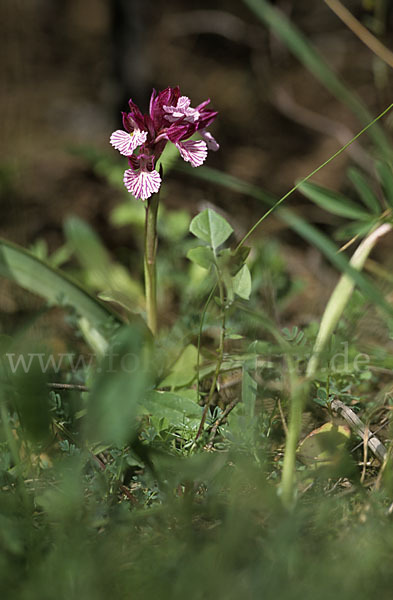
point(221, 457)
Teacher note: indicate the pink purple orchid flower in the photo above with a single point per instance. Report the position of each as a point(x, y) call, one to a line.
point(170, 119)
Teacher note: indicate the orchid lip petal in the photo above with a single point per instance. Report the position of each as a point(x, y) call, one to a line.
point(142, 184)
point(126, 142)
point(193, 151)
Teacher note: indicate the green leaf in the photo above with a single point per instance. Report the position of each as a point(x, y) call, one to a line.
point(242, 283)
point(118, 298)
point(183, 371)
point(333, 202)
point(211, 228)
point(178, 409)
point(20, 266)
point(308, 232)
point(364, 190)
point(202, 256)
point(232, 260)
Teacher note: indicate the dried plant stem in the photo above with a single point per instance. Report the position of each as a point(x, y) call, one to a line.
point(219, 421)
point(150, 262)
point(370, 441)
point(361, 31)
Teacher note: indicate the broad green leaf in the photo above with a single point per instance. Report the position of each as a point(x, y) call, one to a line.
point(333, 202)
point(242, 283)
point(34, 275)
point(364, 190)
point(386, 175)
point(202, 256)
point(211, 228)
point(179, 410)
point(183, 371)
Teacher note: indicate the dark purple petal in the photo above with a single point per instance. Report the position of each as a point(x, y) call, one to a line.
point(167, 97)
point(181, 131)
point(202, 105)
point(207, 118)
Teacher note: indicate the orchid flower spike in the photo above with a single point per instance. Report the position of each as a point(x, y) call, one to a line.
point(144, 137)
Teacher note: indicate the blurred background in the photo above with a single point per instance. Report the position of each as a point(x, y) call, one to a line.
point(70, 67)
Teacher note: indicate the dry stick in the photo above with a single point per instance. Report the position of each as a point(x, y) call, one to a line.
point(361, 32)
point(365, 448)
point(218, 422)
point(284, 423)
point(375, 432)
point(375, 445)
point(68, 386)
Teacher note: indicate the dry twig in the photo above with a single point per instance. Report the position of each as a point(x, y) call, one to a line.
point(375, 445)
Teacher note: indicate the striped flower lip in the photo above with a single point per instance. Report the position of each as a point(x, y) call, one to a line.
point(171, 118)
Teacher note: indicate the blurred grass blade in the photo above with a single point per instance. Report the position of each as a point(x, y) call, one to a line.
point(249, 386)
point(101, 272)
point(386, 176)
point(340, 297)
point(18, 265)
point(330, 251)
point(333, 202)
point(308, 55)
point(365, 192)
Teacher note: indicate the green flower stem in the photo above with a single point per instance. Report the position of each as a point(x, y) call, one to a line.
point(150, 262)
point(300, 391)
